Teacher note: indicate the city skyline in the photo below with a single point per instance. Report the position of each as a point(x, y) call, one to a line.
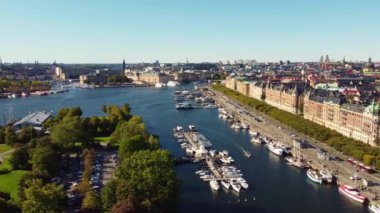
point(171, 31)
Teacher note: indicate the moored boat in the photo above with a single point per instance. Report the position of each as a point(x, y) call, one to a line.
point(242, 182)
point(314, 176)
point(235, 185)
point(327, 177)
point(352, 193)
point(214, 185)
point(225, 184)
point(374, 208)
point(274, 149)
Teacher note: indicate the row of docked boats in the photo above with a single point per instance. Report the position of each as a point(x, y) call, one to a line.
point(234, 123)
point(314, 175)
point(216, 166)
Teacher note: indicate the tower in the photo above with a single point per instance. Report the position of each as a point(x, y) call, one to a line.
point(321, 60)
point(123, 69)
point(327, 59)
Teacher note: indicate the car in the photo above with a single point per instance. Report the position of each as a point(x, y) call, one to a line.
point(355, 177)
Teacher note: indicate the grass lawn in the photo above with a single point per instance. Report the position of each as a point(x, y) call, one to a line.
point(5, 164)
point(4, 148)
point(103, 140)
point(9, 182)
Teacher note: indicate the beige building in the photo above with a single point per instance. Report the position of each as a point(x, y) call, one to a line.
point(257, 90)
point(284, 97)
point(351, 120)
point(149, 77)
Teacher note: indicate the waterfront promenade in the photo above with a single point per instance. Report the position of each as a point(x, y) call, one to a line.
point(274, 129)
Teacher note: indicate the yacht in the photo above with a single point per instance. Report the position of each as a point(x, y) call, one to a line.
point(159, 85)
point(257, 140)
point(274, 149)
point(246, 153)
point(179, 97)
point(300, 163)
point(214, 185)
point(244, 126)
point(327, 177)
point(374, 208)
point(235, 185)
point(314, 176)
point(192, 128)
point(236, 126)
point(253, 133)
point(352, 193)
point(225, 184)
point(183, 106)
point(242, 182)
point(173, 83)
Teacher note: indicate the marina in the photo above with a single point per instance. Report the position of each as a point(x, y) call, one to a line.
point(270, 178)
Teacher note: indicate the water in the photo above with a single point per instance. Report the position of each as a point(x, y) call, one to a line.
point(274, 186)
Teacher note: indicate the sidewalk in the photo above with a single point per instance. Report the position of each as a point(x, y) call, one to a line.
point(270, 128)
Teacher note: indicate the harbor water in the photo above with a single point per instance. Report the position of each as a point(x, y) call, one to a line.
point(274, 186)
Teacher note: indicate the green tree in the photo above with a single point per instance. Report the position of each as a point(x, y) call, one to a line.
point(20, 159)
point(108, 195)
point(46, 160)
point(27, 177)
point(67, 132)
point(41, 197)
point(151, 179)
point(2, 135)
point(368, 159)
point(91, 202)
point(10, 136)
point(130, 145)
point(26, 134)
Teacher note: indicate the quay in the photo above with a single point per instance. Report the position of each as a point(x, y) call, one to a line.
point(269, 127)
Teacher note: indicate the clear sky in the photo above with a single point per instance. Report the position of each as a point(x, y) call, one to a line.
point(81, 31)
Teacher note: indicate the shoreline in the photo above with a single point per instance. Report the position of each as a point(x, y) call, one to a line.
point(282, 133)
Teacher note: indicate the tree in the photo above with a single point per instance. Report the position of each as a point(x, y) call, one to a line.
point(46, 160)
point(108, 195)
point(67, 132)
point(27, 177)
point(368, 159)
point(20, 159)
point(151, 180)
point(10, 136)
point(26, 134)
point(130, 145)
point(2, 135)
point(41, 197)
point(124, 206)
point(91, 202)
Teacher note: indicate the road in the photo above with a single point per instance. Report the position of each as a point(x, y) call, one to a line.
point(273, 129)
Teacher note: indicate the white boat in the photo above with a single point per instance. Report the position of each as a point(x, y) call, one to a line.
point(214, 185)
point(314, 176)
point(297, 162)
point(244, 126)
point(200, 172)
point(352, 193)
point(242, 182)
point(225, 184)
point(183, 106)
point(247, 154)
point(173, 83)
point(327, 177)
point(257, 140)
point(374, 208)
point(159, 85)
point(192, 128)
point(236, 126)
point(274, 149)
point(253, 133)
point(235, 185)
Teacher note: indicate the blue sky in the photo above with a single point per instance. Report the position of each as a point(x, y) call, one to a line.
point(81, 31)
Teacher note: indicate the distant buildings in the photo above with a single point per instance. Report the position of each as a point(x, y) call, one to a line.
point(35, 120)
point(342, 100)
